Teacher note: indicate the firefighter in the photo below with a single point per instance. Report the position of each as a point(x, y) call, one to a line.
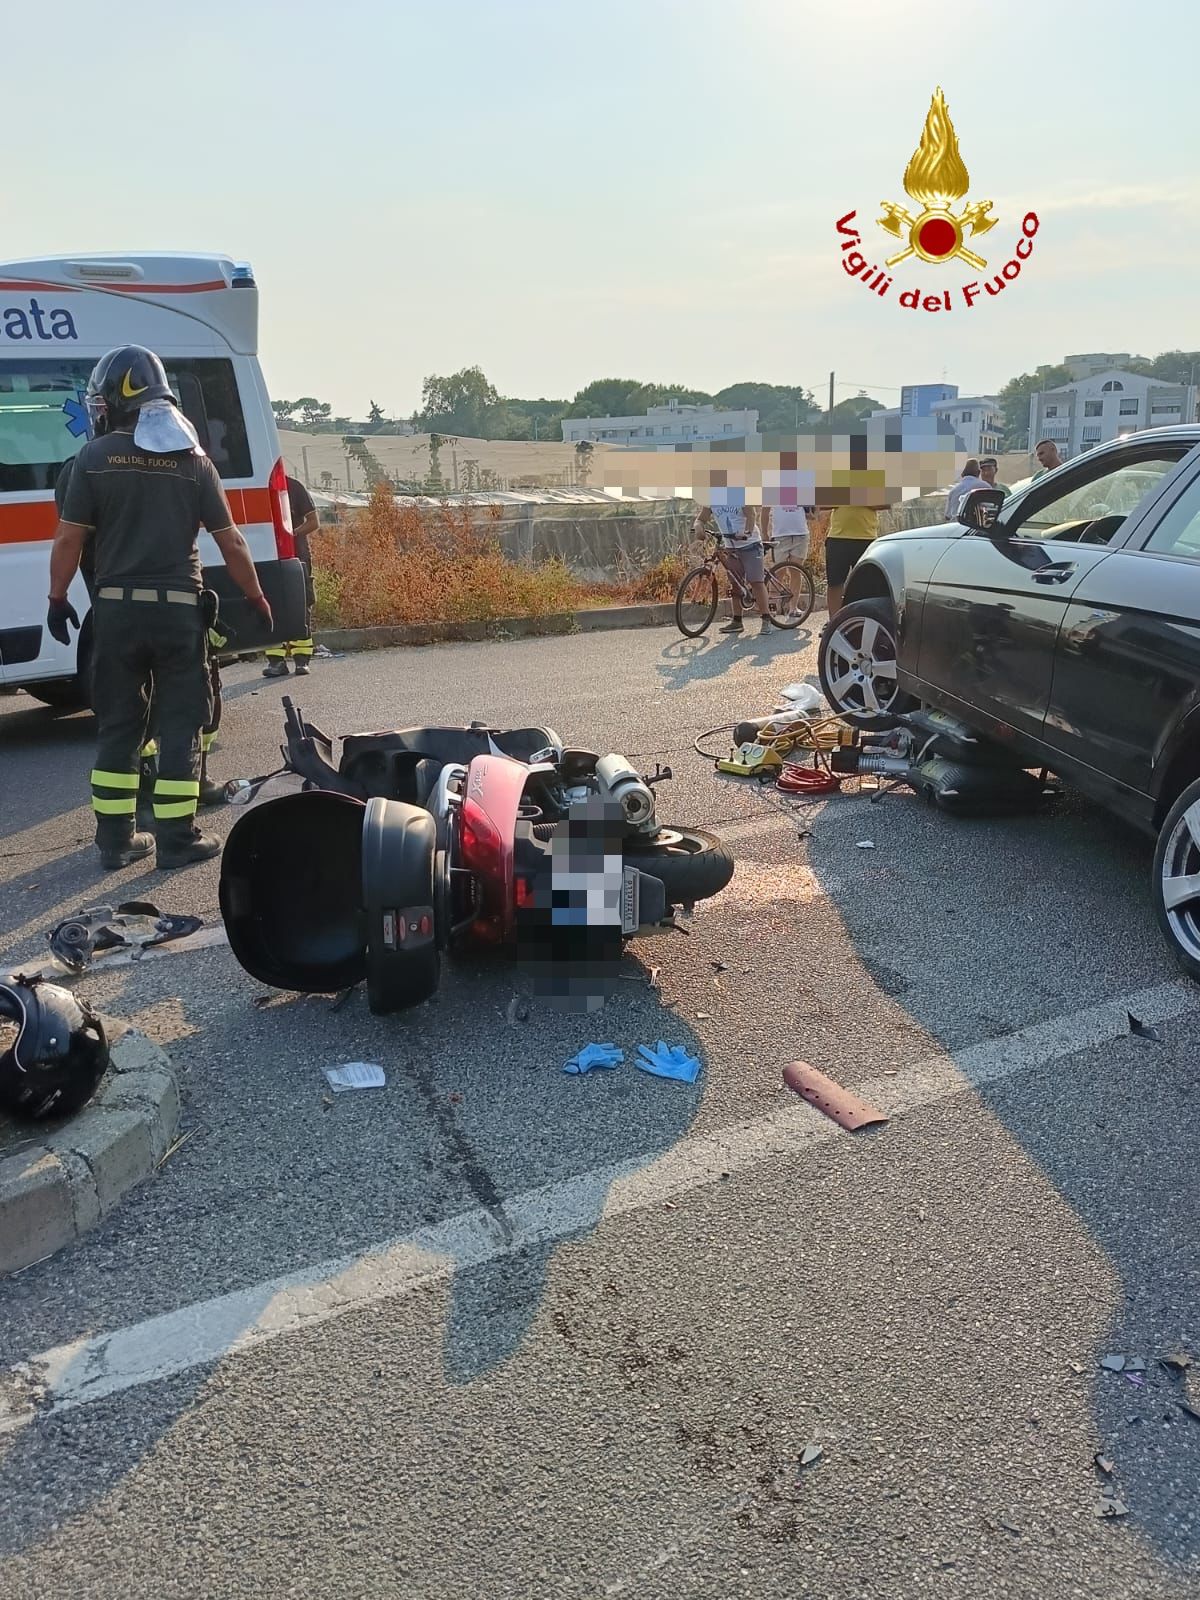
point(211, 794)
point(143, 486)
point(305, 522)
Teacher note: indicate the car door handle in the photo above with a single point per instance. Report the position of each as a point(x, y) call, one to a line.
point(1056, 572)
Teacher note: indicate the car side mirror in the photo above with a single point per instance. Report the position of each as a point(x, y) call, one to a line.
point(979, 508)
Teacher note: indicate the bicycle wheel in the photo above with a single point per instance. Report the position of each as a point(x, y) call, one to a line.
point(790, 594)
point(696, 602)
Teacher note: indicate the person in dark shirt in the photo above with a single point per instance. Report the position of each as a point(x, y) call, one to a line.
point(142, 488)
point(211, 793)
point(304, 523)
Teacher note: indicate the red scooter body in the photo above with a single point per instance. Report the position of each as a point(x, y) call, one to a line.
point(487, 839)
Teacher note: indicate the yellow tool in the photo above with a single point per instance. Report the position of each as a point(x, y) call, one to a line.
point(748, 759)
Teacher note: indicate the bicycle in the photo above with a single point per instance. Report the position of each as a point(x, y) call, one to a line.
point(790, 592)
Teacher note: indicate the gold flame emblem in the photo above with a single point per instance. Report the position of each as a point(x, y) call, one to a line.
point(936, 179)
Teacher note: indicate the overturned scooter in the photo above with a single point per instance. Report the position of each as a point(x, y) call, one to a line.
point(427, 840)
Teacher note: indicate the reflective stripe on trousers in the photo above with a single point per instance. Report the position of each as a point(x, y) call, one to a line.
point(114, 794)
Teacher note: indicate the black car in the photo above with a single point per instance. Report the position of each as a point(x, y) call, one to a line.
point(1064, 623)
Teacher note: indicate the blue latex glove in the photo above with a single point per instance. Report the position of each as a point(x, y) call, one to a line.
point(595, 1055)
point(668, 1061)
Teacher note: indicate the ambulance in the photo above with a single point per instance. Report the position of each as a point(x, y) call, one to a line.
point(200, 314)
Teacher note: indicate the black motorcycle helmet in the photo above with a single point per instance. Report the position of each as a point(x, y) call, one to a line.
point(122, 382)
point(55, 1054)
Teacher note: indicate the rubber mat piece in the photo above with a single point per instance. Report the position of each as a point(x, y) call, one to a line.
point(846, 1109)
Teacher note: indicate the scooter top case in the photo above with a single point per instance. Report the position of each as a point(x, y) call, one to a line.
point(319, 891)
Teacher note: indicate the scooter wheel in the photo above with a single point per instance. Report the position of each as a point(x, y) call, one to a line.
point(691, 865)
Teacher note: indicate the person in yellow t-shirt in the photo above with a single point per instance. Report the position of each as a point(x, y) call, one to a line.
point(851, 529)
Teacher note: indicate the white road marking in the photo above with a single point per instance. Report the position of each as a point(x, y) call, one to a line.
point(91, 1369)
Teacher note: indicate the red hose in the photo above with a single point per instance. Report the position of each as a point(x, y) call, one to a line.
point(795, 779)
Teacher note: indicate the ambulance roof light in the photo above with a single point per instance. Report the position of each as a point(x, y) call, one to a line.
point(243, 275)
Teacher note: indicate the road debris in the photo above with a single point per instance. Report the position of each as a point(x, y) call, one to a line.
point(1104, 1464)
point(811, 1454)
point(176, 1144)
point(668, 1061)
point(355, 1075)
point(1109, 1507)
point(517, 1010)
point(1137, 1379)
point(604, 1056)
point(1113, 1363)
point(719, 966)
point(1144, 1030)
point(1177, 1364)
point(133, 926)
point(1078, 1368)
point(846, 1109)
point(865, 844)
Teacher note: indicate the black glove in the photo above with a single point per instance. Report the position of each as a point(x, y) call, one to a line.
point(59, 614)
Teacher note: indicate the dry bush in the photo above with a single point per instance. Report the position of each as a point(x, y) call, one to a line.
point(395, 564)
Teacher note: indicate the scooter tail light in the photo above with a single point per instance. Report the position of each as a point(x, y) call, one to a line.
point(482, 846)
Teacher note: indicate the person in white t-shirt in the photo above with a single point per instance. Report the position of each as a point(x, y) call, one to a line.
point(788, 526)
point(958, 492)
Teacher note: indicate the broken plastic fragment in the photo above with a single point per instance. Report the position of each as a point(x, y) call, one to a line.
point(1176, 1365)
point(1144, 1030)
point(810, 1453)
point(1108, 1506)
point(845, 1108)
point(1104, 1464)
point(1137, 1379)
point(518, 1009)
point(865, 844)
point(1113, 1363)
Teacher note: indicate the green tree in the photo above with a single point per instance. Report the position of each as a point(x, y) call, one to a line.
point(283, 409)
point(458, 403)
point(1014, 402)
point(375, 413)
point(848, 413)
point(626, 397)
point(312, 410)
point(781, 407)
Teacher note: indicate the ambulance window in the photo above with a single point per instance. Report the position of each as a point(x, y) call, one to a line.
point(208, 395)
point(41, 419)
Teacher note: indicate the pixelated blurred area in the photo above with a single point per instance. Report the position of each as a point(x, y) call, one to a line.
point(879, 464)
point(569, 931)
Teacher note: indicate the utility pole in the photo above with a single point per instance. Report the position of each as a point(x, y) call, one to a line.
point(535, 430)
point(831, 399)
point(304, 458)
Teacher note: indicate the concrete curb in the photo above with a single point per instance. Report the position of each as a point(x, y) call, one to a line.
point(418, 633)
point(61, 1182)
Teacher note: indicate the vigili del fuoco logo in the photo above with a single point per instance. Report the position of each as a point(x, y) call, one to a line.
point(934, 230)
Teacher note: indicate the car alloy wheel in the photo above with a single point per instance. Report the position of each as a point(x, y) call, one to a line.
point(1177, 875)
point(860, 665)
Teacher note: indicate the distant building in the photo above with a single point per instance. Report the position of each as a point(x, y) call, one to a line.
point(920, 399)
point(1090, 366)
point(977, 421)
point(1078, 416)
point(674, 423)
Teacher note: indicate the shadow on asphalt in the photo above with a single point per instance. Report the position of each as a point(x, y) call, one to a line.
point(1043, 916)
point(688, 661)
point(476, 1109)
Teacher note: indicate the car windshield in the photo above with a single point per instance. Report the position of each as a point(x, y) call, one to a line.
point(1113, 495)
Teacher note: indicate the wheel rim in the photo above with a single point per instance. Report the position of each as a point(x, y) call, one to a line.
point(860, 666)
point(1179, 882)
point(696, 602)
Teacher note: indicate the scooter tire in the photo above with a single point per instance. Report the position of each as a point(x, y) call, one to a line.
point(693, 866)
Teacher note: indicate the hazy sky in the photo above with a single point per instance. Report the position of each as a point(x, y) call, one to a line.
point(642, 188)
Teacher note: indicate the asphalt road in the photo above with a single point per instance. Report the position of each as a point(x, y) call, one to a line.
point(500, 1331)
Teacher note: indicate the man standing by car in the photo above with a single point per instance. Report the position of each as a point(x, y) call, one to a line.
point(959, 491)
point(142, 487)
point(304, 523)
point(1048, 457)
point(988, 468)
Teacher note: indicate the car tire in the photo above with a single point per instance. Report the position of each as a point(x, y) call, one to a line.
point(862, 638)
point(1176, 868)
